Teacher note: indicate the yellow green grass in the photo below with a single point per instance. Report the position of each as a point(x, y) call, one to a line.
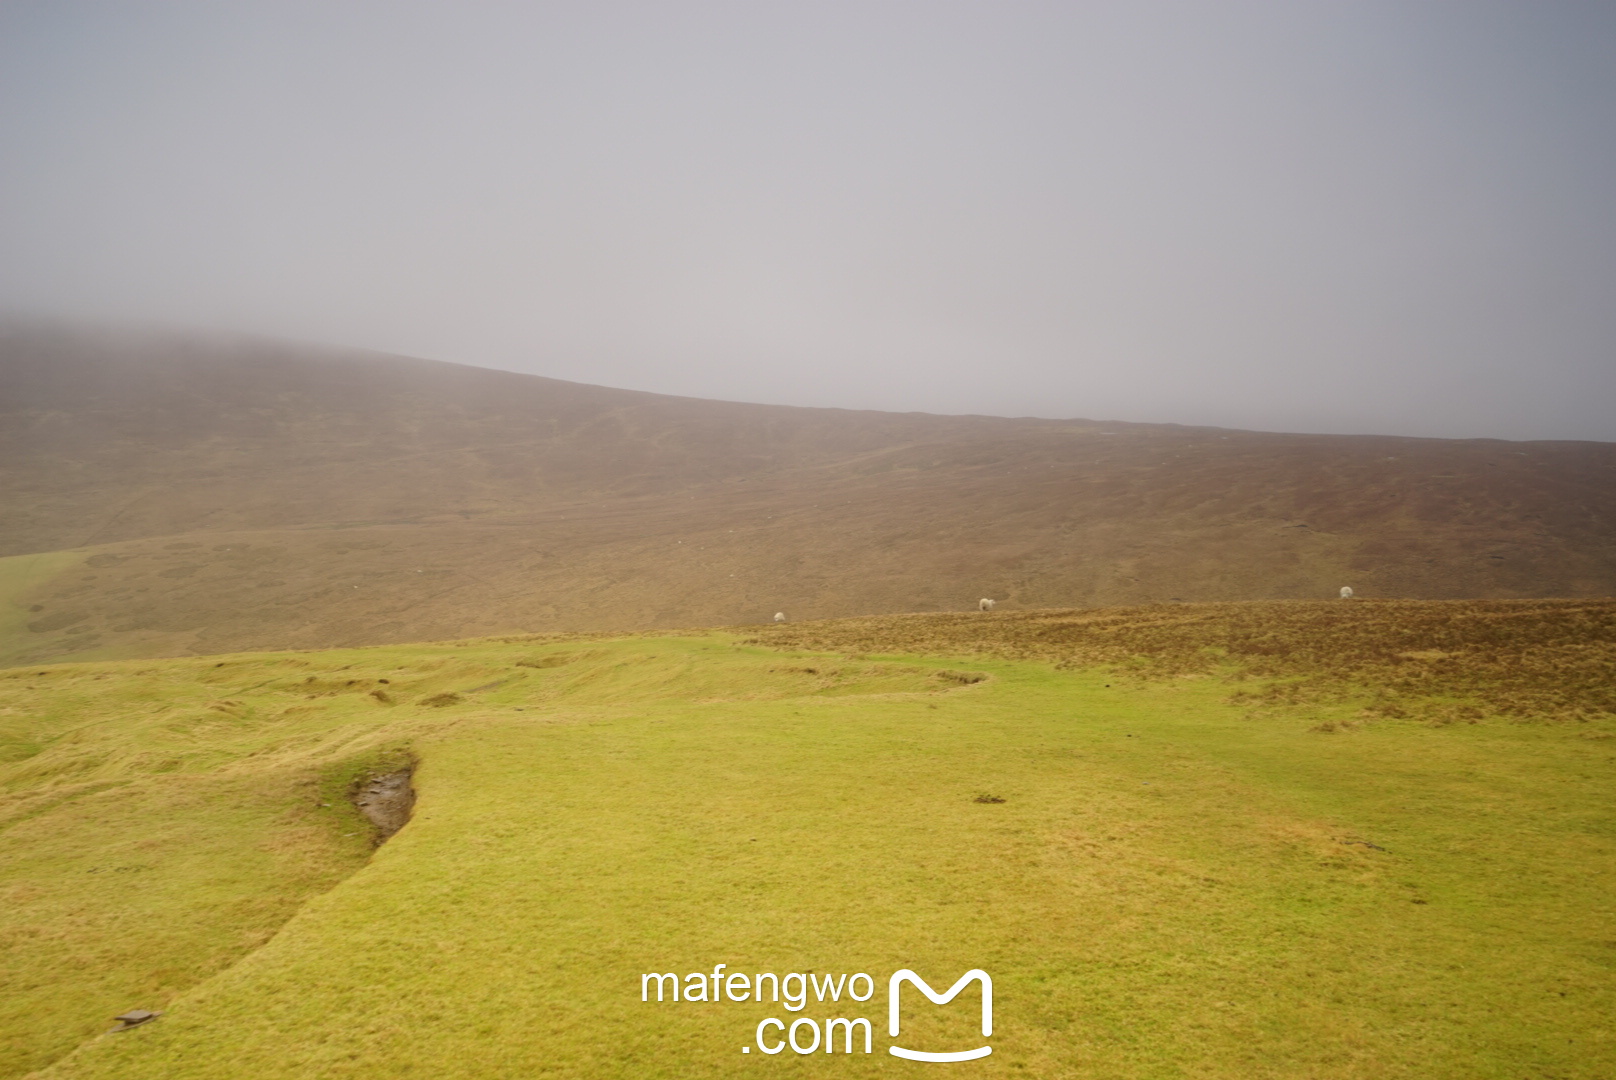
point(1173, 885)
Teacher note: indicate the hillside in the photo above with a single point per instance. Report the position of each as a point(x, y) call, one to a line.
point(170, 493)
point(1234, 860)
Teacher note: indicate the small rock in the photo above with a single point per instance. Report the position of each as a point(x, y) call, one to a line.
point(134, 1018)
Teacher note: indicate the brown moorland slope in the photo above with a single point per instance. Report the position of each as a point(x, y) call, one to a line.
point(168, 493)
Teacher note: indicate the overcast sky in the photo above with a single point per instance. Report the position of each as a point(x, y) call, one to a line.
point(1307, 216)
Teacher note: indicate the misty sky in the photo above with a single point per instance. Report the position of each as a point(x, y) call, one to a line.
point(1313, 216)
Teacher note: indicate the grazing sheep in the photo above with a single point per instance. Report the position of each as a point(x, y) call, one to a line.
point(1346, 592)
point(779, 616)
point(984, 604)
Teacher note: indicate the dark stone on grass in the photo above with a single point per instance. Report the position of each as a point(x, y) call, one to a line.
point(134, 1018)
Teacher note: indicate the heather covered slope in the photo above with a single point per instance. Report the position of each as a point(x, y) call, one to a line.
point(215, 494)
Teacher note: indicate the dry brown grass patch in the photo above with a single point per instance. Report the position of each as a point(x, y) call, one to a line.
point(1441, 661)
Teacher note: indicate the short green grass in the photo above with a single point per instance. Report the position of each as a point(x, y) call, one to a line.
point(1172, 886)
point(20, 577)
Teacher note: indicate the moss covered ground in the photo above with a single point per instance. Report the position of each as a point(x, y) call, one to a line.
point(1161, 879)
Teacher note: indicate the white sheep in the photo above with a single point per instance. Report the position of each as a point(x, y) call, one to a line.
point(1346, 592)
point(779, 616)
point(984, 604)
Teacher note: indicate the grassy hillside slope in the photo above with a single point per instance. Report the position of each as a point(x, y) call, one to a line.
point(1184, 873)
point(229, 494)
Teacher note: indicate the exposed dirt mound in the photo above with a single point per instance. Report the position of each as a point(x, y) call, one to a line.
point(387, 801)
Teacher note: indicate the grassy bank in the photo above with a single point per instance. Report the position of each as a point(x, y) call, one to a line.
point(1161, 879)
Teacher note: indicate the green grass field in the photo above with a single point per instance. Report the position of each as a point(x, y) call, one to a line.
point(1173, 885)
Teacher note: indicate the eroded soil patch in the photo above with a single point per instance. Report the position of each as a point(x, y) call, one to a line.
point(387, 801)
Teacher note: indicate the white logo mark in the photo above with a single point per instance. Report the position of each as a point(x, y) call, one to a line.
point(895, 984)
